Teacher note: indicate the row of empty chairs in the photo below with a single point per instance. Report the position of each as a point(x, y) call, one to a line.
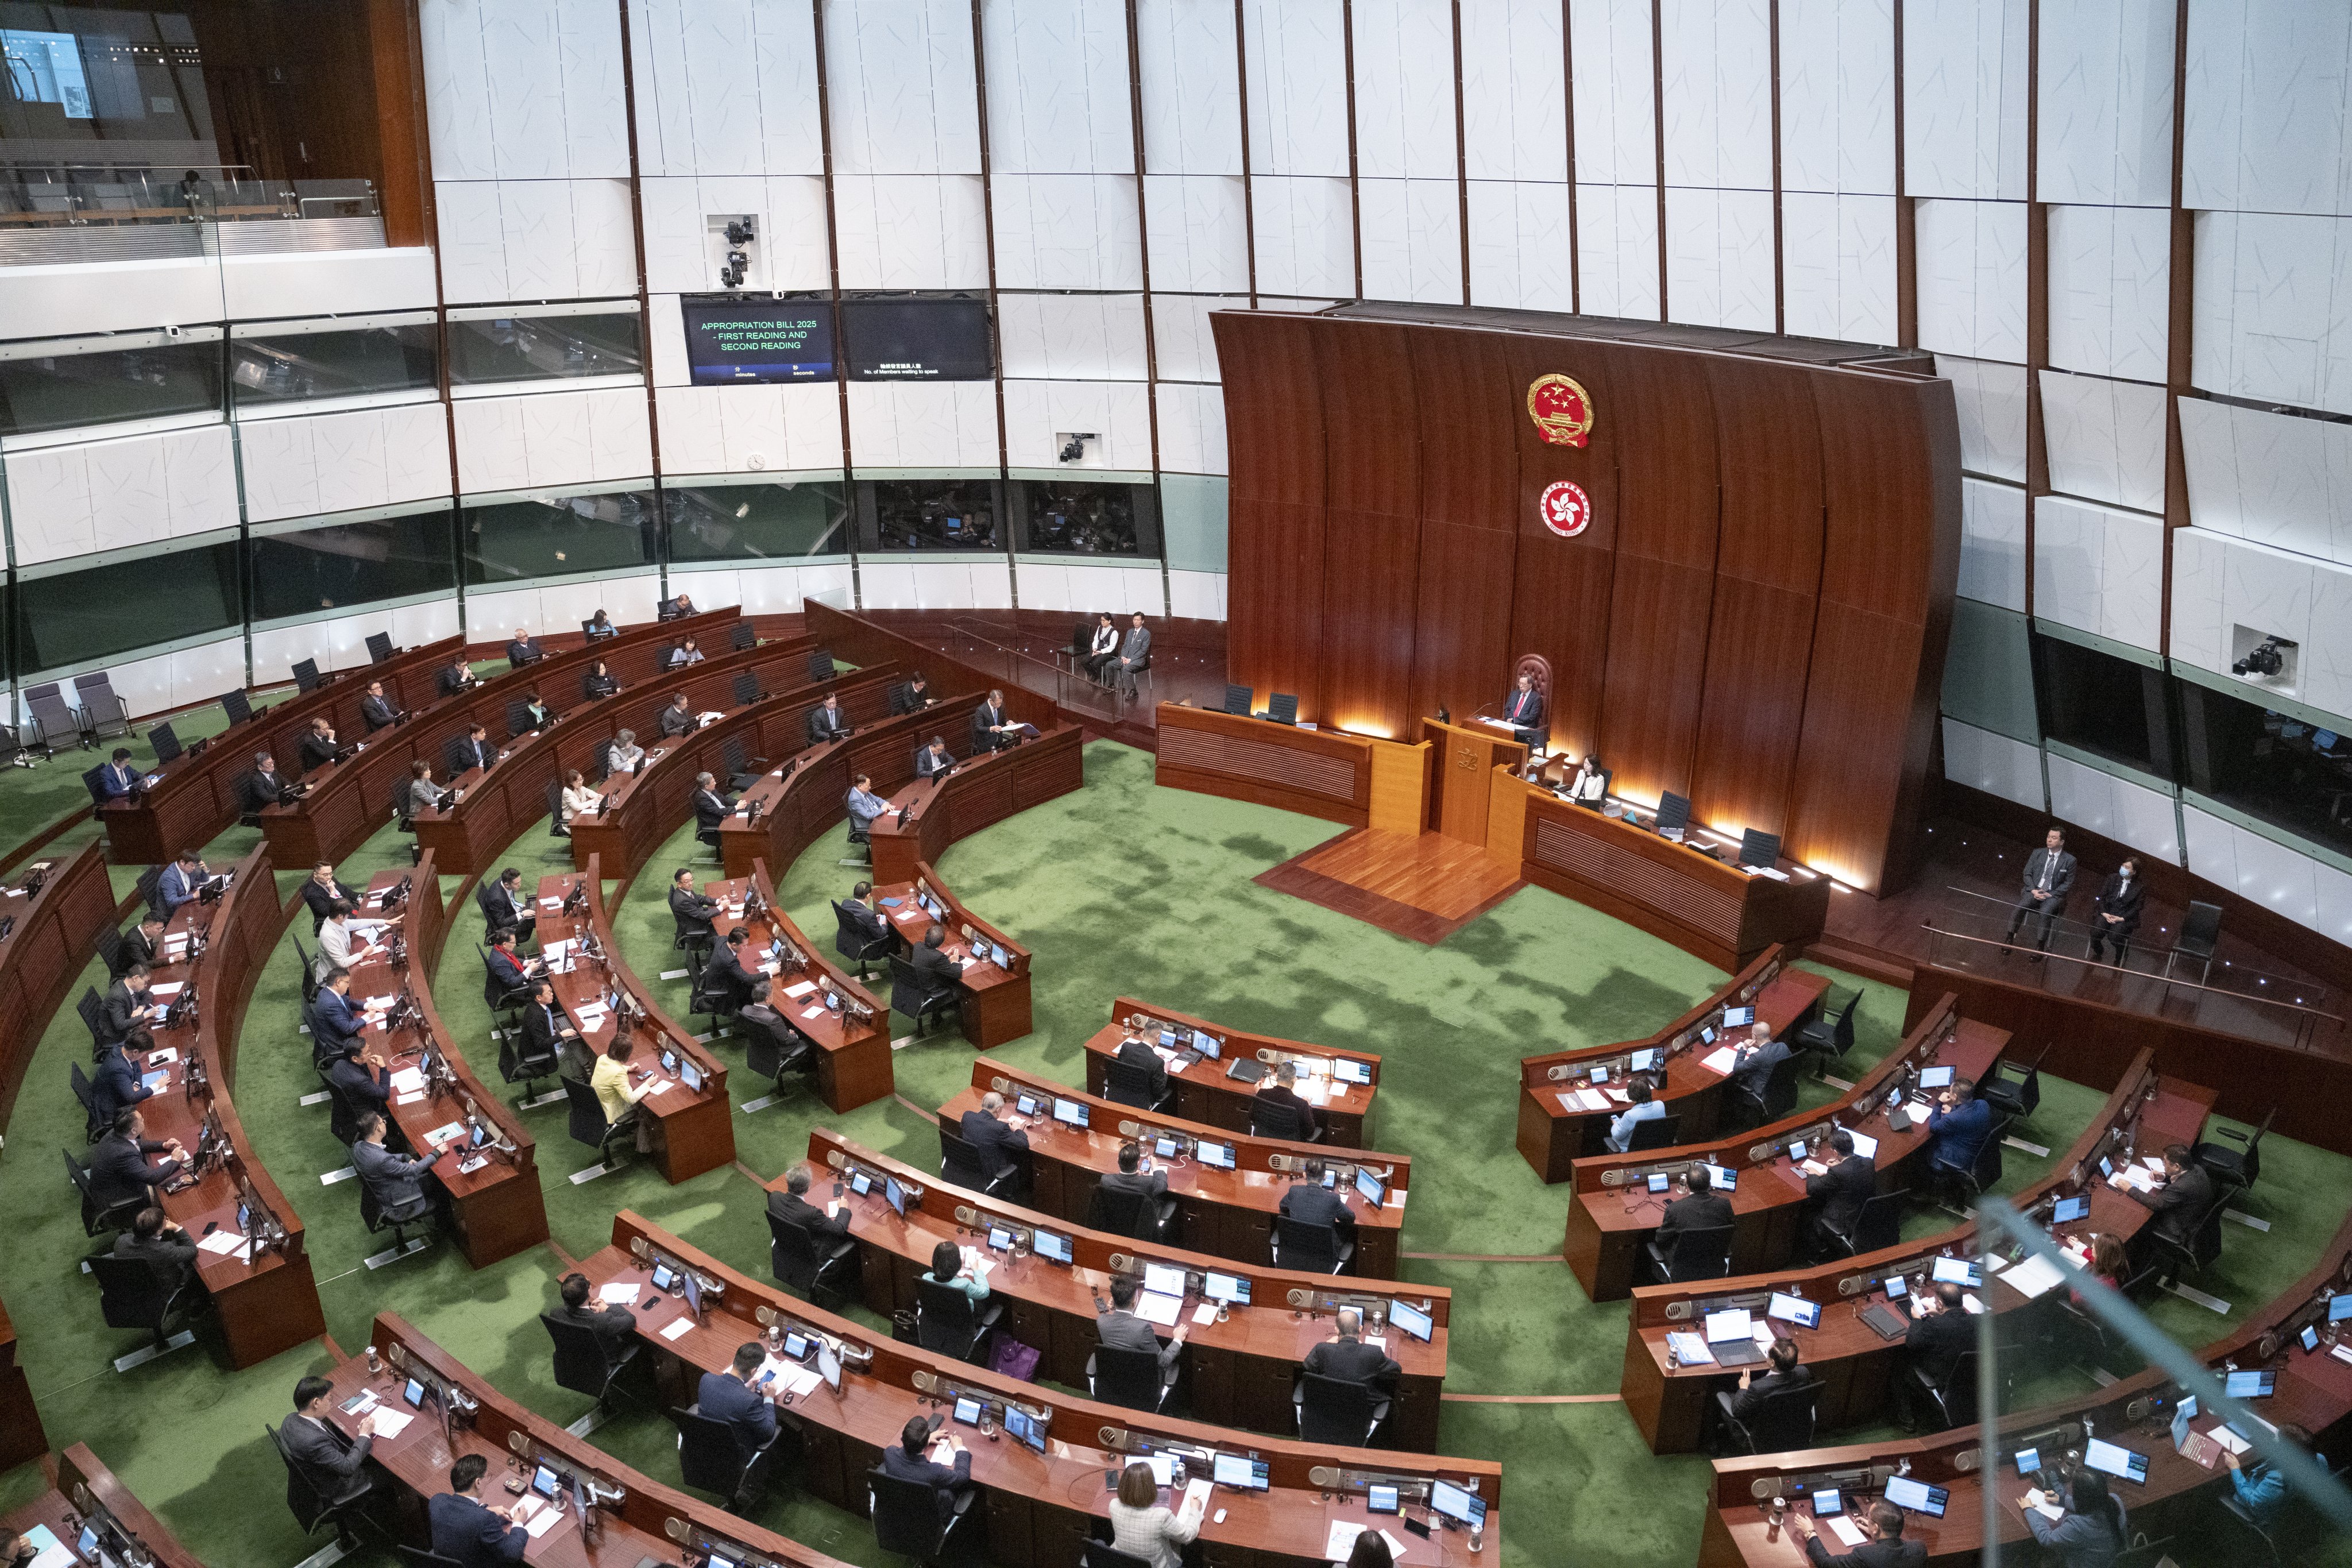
point(49, 720)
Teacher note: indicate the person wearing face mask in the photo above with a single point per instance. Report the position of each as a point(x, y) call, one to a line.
point(2115, 913)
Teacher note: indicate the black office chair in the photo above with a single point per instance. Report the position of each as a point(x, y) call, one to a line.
point(402, 805)
point(399, 1221)
point(746, 688)
point(1783, 1421)
point(2204, 1248)
point(132, 1295)
point(96, 1218)
point(947, 1323)
point(343, 1117)
point(310, 968)
point(1780, 1095)
point(93, 780)
point(961, 1166)
point(517, 1063)
point(1310, 1248)
point(1282, 708)
point(1132, 1214)
point(2238, 1166)
point(1127, 1084)
point(92, 1009)
point(1879, 1224)
point(1274, 1119)
point(306, 674)
point(2201, 932)
point(906, 1522)
point(582, 1364)
point(1331, 1410)
point(801, 1265)
point(1237, 700)
point(853, 945)
point(740, 769)
point(711, 1458)
point(519, 719)
point(1959, 1190)
point(766, 1056)
point(86, 1092)
point(338, 1507)
point(378, 646)
point(151, 890)
point(910, 996)
point(1130, 1379)
point(109, 948)
point(742, 636)
point(2013, 1088)
point(1694, 1255)
point(1950, 1404)
point(589, 1123)
point(820, 664)
point(1657, 1132)
point(1102, 1554)
point(1829, 1036)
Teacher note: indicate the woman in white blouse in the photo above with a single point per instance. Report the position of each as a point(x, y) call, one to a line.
point(578, 797)
point(1142, 1527)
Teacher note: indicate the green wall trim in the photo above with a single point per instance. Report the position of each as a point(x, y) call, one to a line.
point(2317, 717)
point(755, 563)
point(70, 563)
point(2130, 652)
point(2270, 830)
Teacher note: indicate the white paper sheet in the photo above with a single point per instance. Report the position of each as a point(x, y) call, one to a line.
point(1845, 1530)
point(621, 1292)
point(390, 1423)
point(800, 988)
point(408, 1081)
point(1157, 1307)
point(2033, 1276)
point(1719, 1060)
point(677, 1330)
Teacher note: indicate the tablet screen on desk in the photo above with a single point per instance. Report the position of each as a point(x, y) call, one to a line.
point(1369, 1188)
point(1724, 1177)
point(1052, 1248)
point(967, 1410)
point(546, 1482)
point(1347, 1071)
point(1166, 1148)
point(1000, 1238)
point(1917, 1496)
point(2114, 1460)
point(1168, 1038)
point(1024, 1428)
point(1795, 1310)
point(1230, 1288)
point(2309, 1338)
point(2029, 1461)
point(1165, 1277)
point(1936, 1077)
point(1828, 1503)
point(670, 1061)
point(860, 1182)
point(1739, 1017)
point(2339, 1306)
point(664, 1277)
point(894, 1195)
point(2069, 1209)
point(1379, 1498)
point(1659, 1181)
point(414, 1394)
point(1236, 1470)
point(1412, 1320)
point(2259, 1384)
point(796, 1346)
point(1219, 1155)
point(1027, 1105)
point(1956, 1271)
point(1896, 1287)
point(1070, 1112)
point(690, 1075)
point(1207, 1045)
point(1642, 1061)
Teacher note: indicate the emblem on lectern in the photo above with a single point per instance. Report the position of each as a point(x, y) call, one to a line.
point(1565, 509)
point(1561, 409)
point(1465, 756)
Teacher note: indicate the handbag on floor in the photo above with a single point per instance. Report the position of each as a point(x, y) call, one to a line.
point(1011, 1358)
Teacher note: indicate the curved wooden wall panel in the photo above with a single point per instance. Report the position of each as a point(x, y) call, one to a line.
point(1756, 617)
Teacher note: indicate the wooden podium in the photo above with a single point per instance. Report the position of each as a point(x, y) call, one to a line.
point(1467, 756)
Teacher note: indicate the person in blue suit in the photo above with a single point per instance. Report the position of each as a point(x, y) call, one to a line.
point(2256, 1482)
point(1957, 1128)
point(180, 881)
point(118, 778)
point(729, 1397)
point(466, 1530)
point(118, 1083)
point(336, 1021)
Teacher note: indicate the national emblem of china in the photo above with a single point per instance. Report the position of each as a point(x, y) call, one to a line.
point(1561, 409)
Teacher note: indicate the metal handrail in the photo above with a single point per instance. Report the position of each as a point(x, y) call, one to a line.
point(2164, 980)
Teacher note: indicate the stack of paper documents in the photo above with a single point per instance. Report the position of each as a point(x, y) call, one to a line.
point(392, 1422)
point(620, 1292)
point(2033, 1276)
point(1719, 1059)
point(1158, 1307)
point(1691, 1348)
point(408, 1081)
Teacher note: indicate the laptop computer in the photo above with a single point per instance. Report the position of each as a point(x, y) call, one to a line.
point(1731, 1339)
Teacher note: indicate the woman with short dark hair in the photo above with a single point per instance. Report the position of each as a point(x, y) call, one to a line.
point(1142, 1527)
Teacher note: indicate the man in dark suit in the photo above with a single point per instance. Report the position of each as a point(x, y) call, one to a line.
point(989, 725)
point(1138, 1055)
point(1134, 653)
point(1133, 1177)
point(457, 677)
point(505, 906)
point(931, 758)
point(1119, 1329)
point(319, 747)
point(934, 968)
point(509, 973)
point(1785, 1371)
point(1838, 1193)
point(1523, 710)
point(678, 719)
point(395, 1180)
point(544, 1027)
point(691, 911)
point(116, 777)
point(998, 1145)
point(180, 881)
point(1957, 1129)
point(335, 1465)
point(321, 891)
point(825, 1225)
point(376, 710)
point(119, 1170)
point(826, 721)
point(2041, 894)
point(167, 1249)
point(336, 1022)
point(1700, 1207)
point(904, 1461)
point(727, 1396)
point(523, 648)
point(912, 698)
point(726, 981)
point(474, 752)
point(1940, 1334)
point(142, 944)
point(1751, 1069)
point(2114, 912)
point(117, 1083)
point(864, 921)
point(1309, 1202)
point(1281, 1088)
point(2180, 1204)
point(675, 609)
point(614, 1325)
point(128, 1004)
point(710, 807)
point(1347, 1359)
point(364, 1080)
point(263, 786)
point(466, 1530)
point(1885, 1549)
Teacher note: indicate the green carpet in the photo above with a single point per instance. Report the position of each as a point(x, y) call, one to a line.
point(1122, 887)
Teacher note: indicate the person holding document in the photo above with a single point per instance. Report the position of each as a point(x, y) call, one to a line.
point(1885, 1549)
point(1141, 1528)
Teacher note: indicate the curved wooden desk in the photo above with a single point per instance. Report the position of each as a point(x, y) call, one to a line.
point(195, 798)
point(495, 1204)
point(21, 1436)
point(1040, 1507)
point(347, 801)
point(693, 1129)
point(88, 1495)
point(977, 792)
point(1240, 1371)
point(1855, 1367)
point(996, 1002)
point(1206, 1091)
point(270, 1303)
point(852, 1040)
point(1317, 772)
point(1559, 1123)
point(50, 939)
point(648, 1524)
point(1227, 1213)
point(2315, 1389)
point(1612, 1214)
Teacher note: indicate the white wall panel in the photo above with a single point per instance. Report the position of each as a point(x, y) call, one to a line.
point(323, 283)
point(2105, 120)
point(2198, 634)
point(1617, 250)
point(537, 440)
point(456, 92)
point(1615, 96)
point(1964, 98)
point(1993, 764)
point(2279, 878)
point(524, 90)
point(1296, 61)
point(923, 424)
point(65, 300)
point(2220, 582)
point(779, 590)
point(979, 584)
point(1520, 254)
point(903, 87)
point(2326, 678)
point(1404, 91)
point(666, 354)
point(2212, 847)
point(203, 672)
point(2271, 477)
point(1057, 98)
point(1990, 400)
point(2271, 301)
point(1118, 412)
point(2266, 117)
point(684, 254)
point(1087, 337)
point(1081, 587)
point(1066, 231)
point(2110, 273)
point(1192, 429)
point(725, 87)
point(748, 429)
point(560, 606)
point(118, 494)
point(1197, 596)
point(1198, 232)
point(1715, 66)
point(1720, 258)
point(1971, 261)
point(911, 231)
point(2104, 439)
point(2117, 808)
point(1184, 347)
point(1189, 82)
point(2100, 570)
point(341, 462)
point(1837, 263)
point(1837, 96)
point(1304, 230)
point(1413, 239)
point(536, 239)
point(1992, 543)
point(1514, 94)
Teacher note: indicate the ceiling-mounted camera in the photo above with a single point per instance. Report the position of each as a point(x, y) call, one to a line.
point(737, 266)
point(742, 230)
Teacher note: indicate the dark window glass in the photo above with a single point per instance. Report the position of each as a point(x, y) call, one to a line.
point(929, 514)
point(352, 564)
point(2280, 769)
point(1073, 517)
point(535, 348)
point(304, 365)
point(2104, 705)
point(756, 523)
point(513, 541)
point(58, 392)
point(904, 337)
point(128, 605)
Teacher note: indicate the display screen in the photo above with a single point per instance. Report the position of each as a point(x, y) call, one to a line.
point(967, 1410)
point(1936, 1077)
point(2029, 1461)
point(1164, 1278)
point(1455, 1503)
point(1070, 1112)
point(1024, 1427)
point(730, 340)
point(1917, 1496)
point(918, 340)
point(1230, 1289)
point(895, 1194)
point(2259, 1384)
point(546, 1482)
point(1379, 1498)
point(1053, 1248)
point(2114, 1460)
point(2069, 1210)
point(1236, 1470)
point(1220, 1155)
point(1956, 1271)
point(1827, 1504)
point(1367, 1186)
point(1795, 1310)
point(1412, 1320)
point(1643, 1060)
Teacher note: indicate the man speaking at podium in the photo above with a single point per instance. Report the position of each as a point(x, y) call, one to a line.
point(1524, 711)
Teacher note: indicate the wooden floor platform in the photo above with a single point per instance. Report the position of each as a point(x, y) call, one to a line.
point(1425, 886)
